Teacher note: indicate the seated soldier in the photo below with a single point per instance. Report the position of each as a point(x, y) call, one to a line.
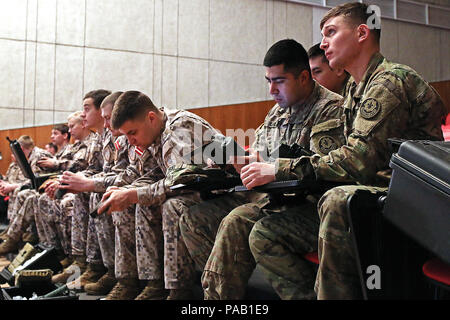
point(302, 104)
point(28, 213)
point(60, 137)
point(13, 175)
point(168, 136)
point(79, 207)
point(20, 191)
point(100, 249)
point(336, 80)
point(52, 215)
point(386, 100)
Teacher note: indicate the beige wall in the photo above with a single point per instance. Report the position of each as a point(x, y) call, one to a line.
point(183, 53)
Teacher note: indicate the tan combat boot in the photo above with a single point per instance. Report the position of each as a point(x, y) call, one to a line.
point(154, 290)
point(94, 271)
point(103, 285)
point(9, 245)
point(77, 267)
point(181, 294)
point(67, 261)
point(125, 289)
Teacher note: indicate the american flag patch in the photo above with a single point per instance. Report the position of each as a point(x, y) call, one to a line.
point(139, 151)
point(117, 144)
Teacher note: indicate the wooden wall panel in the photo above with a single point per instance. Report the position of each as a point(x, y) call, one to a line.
point(40, 135)
point(443, 88)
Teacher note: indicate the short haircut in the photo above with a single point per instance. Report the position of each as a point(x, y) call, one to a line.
point(77, 116)
point(97, 96)
point(111, 99)
point(52, 145)
point(131, 105)
point(63, 128)
point(353, 12)
point(289, 53)
point(316, 51)
point(26, 142)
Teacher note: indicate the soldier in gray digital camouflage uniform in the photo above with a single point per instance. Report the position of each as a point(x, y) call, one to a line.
point(305, 113)
point(54, 215)
point(80, 214)
point(386, 100)
point(101, 231)
point(167, 136)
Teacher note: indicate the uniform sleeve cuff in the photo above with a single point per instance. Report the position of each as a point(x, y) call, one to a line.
point(99, 185)
point(142, 194)
point(283, 167)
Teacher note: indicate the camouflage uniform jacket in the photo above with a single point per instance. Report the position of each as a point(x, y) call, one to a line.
point(391, 100)
point(182, 132)
point(94, 153)
point(294, 124)
point(73, 157)
point(14, 174)
point(121, 166)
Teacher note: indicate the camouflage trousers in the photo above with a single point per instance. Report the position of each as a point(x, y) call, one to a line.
point(11, 204)
point(231, 263)
point(200, 223)
point(100, 236)
point(54, 221)
point(80, 221)
point(278, 243)
point(23, 213)
point(125, 242)
point(161, 251)
point(337, 276)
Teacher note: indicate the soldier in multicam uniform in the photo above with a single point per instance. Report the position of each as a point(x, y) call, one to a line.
point(167, 136)
point(386, 100)
point(80, 213)
point(33, 154)
point(337, 80)
point(53, 215)
point(301, 105)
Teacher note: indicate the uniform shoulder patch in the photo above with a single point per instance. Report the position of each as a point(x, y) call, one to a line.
point(326, 144)
point(370, 108)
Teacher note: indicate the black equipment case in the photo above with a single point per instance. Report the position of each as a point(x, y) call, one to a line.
point(418, 200)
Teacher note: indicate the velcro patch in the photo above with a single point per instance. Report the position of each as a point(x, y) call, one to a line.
point(326, 144)
point(370, 108)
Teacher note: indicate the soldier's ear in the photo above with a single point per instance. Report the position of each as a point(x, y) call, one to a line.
point(151, 116)
point(363, 32)
point(305, 76)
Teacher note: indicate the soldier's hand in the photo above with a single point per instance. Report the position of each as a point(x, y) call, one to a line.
point(257, 174)
point(240, 162)
point(50, 190)
point(117, 199)
point(46, 162)
point(8, 188)
point(76, 182)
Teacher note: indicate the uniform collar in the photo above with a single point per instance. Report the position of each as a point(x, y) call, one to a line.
point(377, 58)
point(305, 106)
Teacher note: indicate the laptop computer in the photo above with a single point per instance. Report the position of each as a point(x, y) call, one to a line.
point(36, 179)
